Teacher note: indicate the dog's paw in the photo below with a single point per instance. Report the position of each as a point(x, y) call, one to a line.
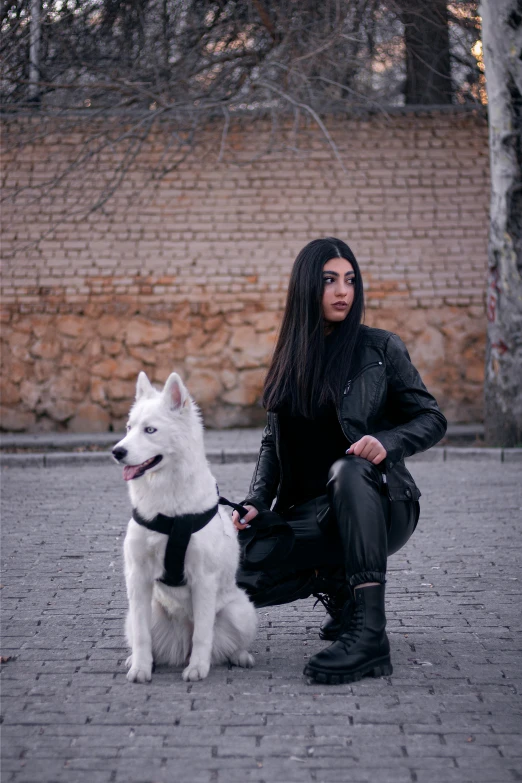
point(139, 674)
point(242, 658)
point(196, 671)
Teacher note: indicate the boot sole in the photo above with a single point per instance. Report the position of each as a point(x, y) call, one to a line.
point(329, 637)
point(381, 668)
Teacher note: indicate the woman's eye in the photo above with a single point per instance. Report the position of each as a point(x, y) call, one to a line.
point(150, 430)
point(327, 280)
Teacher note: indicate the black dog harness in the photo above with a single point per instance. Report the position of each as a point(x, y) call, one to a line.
point(274, 538)
point(179, 530)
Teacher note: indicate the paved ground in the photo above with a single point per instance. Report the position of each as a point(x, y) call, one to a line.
point(450, 712)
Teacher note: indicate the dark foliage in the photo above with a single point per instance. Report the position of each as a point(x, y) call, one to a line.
point(191, 56)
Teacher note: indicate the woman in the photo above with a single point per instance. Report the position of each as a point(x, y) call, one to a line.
point(345, 407)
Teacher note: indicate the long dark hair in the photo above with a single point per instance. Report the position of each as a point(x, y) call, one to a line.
point(303, 375)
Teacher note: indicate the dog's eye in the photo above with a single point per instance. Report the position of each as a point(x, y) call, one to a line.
point(128, 427)
point(150, 430)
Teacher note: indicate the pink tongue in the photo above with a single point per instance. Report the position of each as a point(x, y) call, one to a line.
point(129, 471)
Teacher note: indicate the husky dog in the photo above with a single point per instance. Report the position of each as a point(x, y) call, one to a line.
point(205, 618)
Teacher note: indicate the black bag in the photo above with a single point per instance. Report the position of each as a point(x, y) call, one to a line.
point(268, 540)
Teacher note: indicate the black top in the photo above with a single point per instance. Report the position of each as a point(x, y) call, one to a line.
point(309, 447)
point(386, 399)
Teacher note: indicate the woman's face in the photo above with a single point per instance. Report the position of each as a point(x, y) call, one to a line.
point(338, 289)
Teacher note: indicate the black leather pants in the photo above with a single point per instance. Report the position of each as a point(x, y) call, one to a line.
point(355, 525)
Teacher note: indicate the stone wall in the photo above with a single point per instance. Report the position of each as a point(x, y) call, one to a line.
point(189, 272)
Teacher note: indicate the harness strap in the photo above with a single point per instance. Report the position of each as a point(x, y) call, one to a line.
point(179, 530)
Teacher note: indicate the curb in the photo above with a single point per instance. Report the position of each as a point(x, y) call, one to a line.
point(61, 458)
point(235, 439)
point(236, 456)
point(59, 442)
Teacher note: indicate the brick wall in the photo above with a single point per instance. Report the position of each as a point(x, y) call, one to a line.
point(189, 272)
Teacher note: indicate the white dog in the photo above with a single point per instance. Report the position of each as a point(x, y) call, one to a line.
point(205, 618)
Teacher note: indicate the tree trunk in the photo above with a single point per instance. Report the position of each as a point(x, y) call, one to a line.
point(502, 41)
point(34, 50)
point(428, 65)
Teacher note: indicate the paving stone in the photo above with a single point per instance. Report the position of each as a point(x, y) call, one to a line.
point(451, 711)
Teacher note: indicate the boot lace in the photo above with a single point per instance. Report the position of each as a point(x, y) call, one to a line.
point(352, 624)
point(330, 592)
point(328, 601)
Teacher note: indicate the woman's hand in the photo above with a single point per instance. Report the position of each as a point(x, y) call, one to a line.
point(243, 523)
point(368, 448)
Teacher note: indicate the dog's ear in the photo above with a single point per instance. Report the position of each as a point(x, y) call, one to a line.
point(144, 387)
point(174, 392)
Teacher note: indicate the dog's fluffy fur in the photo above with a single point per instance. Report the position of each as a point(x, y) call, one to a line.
point(208, 620)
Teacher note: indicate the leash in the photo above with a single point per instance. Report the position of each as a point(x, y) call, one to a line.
point(241, 510)
point(266, 542)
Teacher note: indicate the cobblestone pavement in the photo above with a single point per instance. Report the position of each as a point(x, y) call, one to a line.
point(450, 712)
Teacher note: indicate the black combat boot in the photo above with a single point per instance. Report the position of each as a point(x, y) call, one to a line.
point(334, 601)
point(330, 628)
point(362, 648)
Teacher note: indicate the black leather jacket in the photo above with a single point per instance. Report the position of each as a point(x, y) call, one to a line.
point(384, 397)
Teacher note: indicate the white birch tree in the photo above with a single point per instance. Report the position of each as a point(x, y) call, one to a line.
point(502, 43)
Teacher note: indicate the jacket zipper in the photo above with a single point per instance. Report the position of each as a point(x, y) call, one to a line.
point(338, 411)
point(345, 392)
point(367, 367)
point(276, 434)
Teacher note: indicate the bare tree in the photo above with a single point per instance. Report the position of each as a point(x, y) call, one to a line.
point(502, 40)
point(203, 56)
point(427, 44)
point(34, 49)
point(177, 64)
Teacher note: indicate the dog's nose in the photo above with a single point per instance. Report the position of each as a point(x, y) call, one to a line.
point(119, 452)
